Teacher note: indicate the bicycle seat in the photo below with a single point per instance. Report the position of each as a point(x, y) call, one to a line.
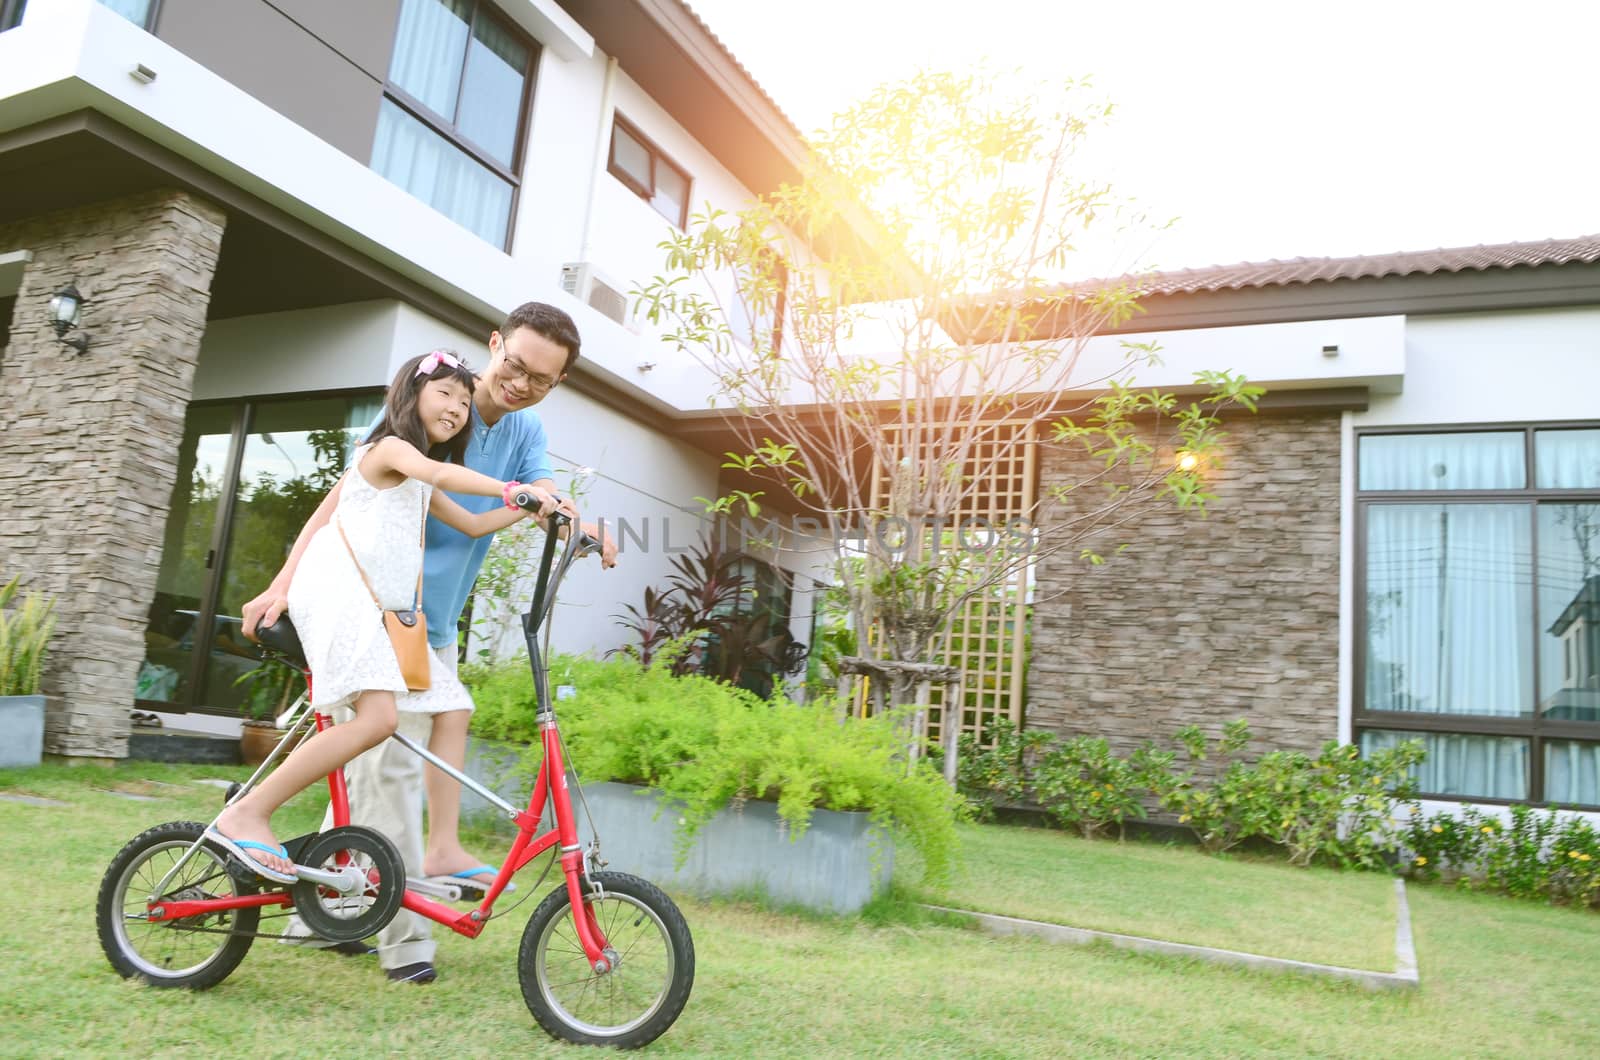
point(280, 640)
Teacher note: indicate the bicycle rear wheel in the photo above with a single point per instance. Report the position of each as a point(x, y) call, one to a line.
point(194, 952)
point(635, 1002)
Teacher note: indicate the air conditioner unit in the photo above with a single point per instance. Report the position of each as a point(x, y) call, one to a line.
point(584, 282)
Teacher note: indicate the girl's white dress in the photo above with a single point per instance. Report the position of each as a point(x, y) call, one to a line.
point(340, 627)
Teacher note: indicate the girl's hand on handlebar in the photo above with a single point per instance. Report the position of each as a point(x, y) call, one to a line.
point(546, 501)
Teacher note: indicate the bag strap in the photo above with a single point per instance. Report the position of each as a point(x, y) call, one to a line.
point(422, 546)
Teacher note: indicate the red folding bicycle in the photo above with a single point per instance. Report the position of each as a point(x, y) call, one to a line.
point(606, 958)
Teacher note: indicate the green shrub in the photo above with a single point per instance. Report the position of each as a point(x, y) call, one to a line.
point(1539, 854)
point(989, 776)
point(1445, 845)
point(1230, 809)
point(709, 745)
point(1574, 874)
point(24, 639)
point(1084, 786)
point(1338, 805)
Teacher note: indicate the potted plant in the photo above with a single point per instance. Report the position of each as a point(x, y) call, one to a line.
point(24, 638)
point(270, 688)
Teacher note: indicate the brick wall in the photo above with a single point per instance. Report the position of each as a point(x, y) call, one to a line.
point(1205, 619)
point(89, 444)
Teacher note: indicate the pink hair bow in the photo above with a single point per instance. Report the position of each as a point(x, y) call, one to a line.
point(433, 360)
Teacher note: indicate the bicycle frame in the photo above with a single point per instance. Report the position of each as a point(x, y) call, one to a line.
point(549, 789)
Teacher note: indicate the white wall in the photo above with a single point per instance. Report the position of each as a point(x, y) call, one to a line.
point(641, 476)
point(1530, 365)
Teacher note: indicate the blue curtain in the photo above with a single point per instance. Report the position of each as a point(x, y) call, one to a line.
point(1479, 461)
point(135, 11)
point(1449, 609)
point(1566, 459)
point(429, 50)
point(1487, 767)
point(440, 174)
point(1572, 773)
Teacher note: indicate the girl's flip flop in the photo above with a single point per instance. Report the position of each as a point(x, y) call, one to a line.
point(238, 848)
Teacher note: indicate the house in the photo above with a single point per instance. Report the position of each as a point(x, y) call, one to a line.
point(267, 207)
point(1404, 541)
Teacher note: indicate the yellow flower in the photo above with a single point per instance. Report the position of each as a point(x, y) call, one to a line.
point(1094, 794)
point(1184, 819)
point(1584, 857)
point(1422, 861)
point(1438, 828)
point(1572, 853)
point(1486, 829)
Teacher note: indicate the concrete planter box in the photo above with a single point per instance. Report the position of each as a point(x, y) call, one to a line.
point(836, 867)
point(21, 730)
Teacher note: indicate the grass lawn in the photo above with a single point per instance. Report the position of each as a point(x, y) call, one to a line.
point(1176, 893)
point(1500, 978)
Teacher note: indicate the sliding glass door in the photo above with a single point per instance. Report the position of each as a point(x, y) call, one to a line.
point(249, 475)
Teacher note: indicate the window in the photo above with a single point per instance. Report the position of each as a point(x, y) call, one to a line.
point(450, 127)
point(641, 166)
point(141, 13)
point(1479, 568)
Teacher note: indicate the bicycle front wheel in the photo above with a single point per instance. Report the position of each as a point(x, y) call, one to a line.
point(630, 1005)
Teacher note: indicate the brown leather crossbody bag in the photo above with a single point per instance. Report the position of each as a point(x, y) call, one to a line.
point(408, 630)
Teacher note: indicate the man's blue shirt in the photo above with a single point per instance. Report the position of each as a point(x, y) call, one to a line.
point(514, 448)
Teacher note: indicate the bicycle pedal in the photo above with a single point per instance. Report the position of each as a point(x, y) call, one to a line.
point(450, 892)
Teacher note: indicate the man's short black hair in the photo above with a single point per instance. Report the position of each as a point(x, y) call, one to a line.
point(548, 321)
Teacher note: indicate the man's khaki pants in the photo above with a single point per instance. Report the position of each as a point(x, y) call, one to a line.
point(386, 794)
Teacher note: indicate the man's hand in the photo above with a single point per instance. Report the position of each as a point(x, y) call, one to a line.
point(608, 544)
point(265, 609)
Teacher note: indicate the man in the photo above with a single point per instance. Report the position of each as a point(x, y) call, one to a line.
point(528, 358)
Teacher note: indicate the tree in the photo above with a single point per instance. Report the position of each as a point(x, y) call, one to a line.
point(874, 381)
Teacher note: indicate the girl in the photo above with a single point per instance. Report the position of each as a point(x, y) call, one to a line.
point(380, 504)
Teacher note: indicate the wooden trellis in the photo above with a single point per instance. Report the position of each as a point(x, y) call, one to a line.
point(987, 641)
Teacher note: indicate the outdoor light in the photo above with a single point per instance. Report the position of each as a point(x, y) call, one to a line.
point(66, 309)
point(1187, 461)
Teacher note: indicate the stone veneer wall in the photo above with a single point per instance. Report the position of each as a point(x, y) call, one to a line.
point(89, 444)
point(1203, 620)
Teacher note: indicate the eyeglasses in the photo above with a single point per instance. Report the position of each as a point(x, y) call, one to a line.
point(520, 373)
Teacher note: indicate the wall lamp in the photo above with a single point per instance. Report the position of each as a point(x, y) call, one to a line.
point(66, 310)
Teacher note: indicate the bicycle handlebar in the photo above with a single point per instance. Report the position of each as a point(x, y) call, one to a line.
point(586, 543)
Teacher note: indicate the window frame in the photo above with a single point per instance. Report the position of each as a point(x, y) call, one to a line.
point(446, 127)
point(657, 157)
point(1535, 729)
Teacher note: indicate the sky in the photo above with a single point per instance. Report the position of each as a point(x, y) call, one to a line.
point(1294, 128)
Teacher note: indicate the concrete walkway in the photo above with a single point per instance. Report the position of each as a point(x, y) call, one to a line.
point(1404, 976)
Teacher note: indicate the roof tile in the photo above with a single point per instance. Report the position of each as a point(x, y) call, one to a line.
point(1277, 273)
